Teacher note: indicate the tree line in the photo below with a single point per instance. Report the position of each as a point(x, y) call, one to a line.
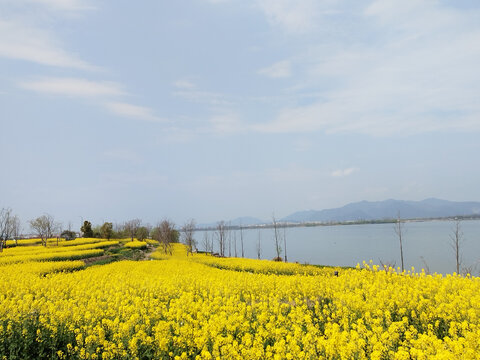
point(46, 227)
point(167, 233)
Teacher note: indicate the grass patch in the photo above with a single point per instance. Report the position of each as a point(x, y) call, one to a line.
point(117, 253)
point(104, 261)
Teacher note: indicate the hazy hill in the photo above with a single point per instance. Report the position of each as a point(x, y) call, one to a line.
point(368, 210)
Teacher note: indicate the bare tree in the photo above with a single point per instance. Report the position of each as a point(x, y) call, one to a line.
point(5, 226)
point(132, 226)
point(222, 237)
point(399, 230)
point(241, 240)
point(229, 238)
point(285, 241)
point(15, 226)
point(187, 235)
point(278, 248)
point(387, 265)
point(45, 227)
point(165, 234)
point(259, 246)
point(456, 238)
point(469, 270)
point(206, 242)
point(235, 243)
point(119, 230)
point(426, 267)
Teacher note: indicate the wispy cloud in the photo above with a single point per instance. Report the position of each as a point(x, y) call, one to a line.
point(344, 172)
point(28, 40)
point(184, 84)
point(226, 123)
point(397, 84)
point(204, 97)
point(49, 5)
point(133, 111)
point(63, 5)
point(218, 1)
point(293, 15)
point(73, 87)
point(102, 91)
point(188, 90)
point(29, 43)
point(280, 69)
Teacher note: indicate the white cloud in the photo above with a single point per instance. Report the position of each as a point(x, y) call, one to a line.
point(73, 87)
point(99, 90)
point(184, 84)
point(280, 69)
point(63, 5)
point(132, 111)
point(420, 74)
point(302, 145)
point(226, 123)
point(297, 16)
point(204, 97)
point(397, 11)
point(26, 42)
point(176, 135)
point(344, 172)
point(50, 5)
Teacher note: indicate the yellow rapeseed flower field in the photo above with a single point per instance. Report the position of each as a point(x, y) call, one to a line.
point(24, 242)
point(136, 244)
point(263, 266)
point(200, 307)
point(36, 250)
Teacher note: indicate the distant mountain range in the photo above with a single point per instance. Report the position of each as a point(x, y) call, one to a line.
point(388, 209)
point(372, 210)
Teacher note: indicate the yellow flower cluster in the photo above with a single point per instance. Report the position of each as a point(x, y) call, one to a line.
point(186, 308)
point(51, 256)
point(125, 240)
point(136, 244)
point(152, 242)
point(29, 250)
point(264, 266)
point(23, 242)
point(53, 242)
point(54, 253)
point(43, 268)
point(81, 241)
point(175, 250)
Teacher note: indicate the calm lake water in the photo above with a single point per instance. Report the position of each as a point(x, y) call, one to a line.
point(347, 245)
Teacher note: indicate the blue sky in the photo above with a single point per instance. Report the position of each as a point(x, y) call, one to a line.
point(111, 110)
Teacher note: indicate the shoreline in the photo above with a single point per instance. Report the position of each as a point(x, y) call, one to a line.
point(342, 223)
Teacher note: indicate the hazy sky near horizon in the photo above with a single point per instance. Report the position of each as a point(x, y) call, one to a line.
point(111, 110)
